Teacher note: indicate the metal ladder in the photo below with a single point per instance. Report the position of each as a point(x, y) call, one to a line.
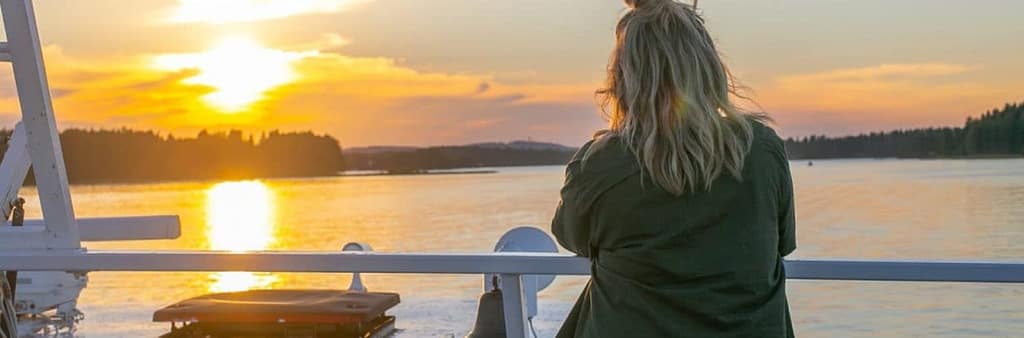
point(35, 143)
point(23, 50)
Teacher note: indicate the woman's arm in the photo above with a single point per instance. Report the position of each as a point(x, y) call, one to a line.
point(569, 226)
point(787, 208)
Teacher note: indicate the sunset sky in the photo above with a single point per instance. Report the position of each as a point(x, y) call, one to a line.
point(418, 72)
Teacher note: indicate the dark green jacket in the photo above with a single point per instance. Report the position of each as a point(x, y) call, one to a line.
point(705, 264)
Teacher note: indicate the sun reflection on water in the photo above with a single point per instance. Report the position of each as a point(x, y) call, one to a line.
point(240, 217)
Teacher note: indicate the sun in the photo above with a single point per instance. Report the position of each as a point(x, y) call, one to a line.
point(239, 70)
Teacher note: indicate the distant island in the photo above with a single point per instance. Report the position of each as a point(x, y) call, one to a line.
point(126, 155)
point(997, 133)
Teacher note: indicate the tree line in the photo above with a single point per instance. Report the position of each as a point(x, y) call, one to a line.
point(125, 155)
point(996, 133)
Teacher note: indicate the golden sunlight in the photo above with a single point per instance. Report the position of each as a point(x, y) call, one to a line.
point(240, 217)
point(239, 70)
point(233, 281)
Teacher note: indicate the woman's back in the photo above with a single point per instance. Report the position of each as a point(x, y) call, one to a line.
point(685, 204)
point(703, 264)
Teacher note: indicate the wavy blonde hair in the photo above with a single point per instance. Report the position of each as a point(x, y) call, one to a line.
point(670, 98)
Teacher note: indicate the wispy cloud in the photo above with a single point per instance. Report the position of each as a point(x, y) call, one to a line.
point(378, 100)
point(361, 100)
point(881, 72)
point(230, 11)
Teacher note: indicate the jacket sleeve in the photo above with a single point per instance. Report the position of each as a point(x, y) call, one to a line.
point(570, 228)
point(787, 207)
point(571, 225)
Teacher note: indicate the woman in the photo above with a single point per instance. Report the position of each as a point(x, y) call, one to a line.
point(685, 204)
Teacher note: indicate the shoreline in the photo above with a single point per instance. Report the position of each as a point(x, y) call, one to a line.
point(470, 171)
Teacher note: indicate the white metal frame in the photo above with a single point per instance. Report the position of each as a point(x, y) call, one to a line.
point(25, 54)
point(54, 244)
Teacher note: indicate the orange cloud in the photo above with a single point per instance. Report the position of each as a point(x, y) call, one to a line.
point(374, 100)
point(114, 91)
point(362, 100)
point(885, 71)
point(377, 100)
point(879, 97)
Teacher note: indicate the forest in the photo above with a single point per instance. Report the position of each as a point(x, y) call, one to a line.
point(124, 155)
point(996, 133)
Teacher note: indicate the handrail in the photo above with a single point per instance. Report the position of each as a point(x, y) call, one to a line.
point(510, 267)
point(294, 261)
point(907, 270)
point(456, 263)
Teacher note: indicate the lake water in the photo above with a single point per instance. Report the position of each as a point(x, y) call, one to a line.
point(935, 209)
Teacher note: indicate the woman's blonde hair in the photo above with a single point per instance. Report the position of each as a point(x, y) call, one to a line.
point(670, 98)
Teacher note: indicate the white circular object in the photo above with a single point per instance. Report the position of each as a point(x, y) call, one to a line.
point(528, 239)
point(357, 246)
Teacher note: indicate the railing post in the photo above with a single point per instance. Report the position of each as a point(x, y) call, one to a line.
point(514, 302)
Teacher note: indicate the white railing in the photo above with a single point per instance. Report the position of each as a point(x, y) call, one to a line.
point(510, 267)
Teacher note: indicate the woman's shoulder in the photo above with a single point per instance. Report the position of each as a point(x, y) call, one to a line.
point(763, 131)
point(598, 166)
point(767, 145)
point(601, 162)
point(765, 136)
point(604, 148)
